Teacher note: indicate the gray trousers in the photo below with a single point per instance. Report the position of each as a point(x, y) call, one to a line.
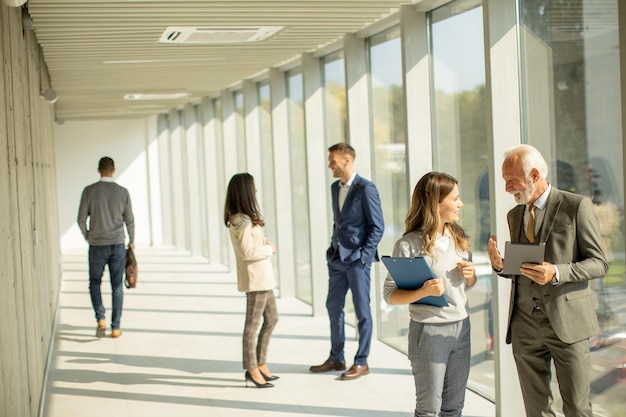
point(534, 346)
point(440, 360)
point(260, 305)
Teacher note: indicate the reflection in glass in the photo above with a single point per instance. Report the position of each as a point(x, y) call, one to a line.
point(267, 193)
point(299, 189)
point(390, 176)
point(461, 151)
point(572, 108)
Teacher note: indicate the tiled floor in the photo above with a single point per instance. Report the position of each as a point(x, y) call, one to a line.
point(180, 354)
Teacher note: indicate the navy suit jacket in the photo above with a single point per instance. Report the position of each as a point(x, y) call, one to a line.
point(359, 227)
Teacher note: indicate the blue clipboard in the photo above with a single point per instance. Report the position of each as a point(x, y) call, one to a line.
point(410, 274)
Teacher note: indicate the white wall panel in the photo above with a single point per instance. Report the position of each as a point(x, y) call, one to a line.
point(78, 148)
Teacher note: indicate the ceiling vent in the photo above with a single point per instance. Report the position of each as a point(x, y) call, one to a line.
point(217, 35)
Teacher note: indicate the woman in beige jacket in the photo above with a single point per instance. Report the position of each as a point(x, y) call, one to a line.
point(255, 275)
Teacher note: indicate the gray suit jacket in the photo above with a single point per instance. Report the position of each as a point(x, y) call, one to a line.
point(571, 232)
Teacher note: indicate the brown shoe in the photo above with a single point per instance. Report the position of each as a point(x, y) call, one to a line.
point(116, 333)
point(355, 371)
point(328, 366)
point(101, 329)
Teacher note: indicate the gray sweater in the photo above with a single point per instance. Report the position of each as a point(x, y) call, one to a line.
point(444, 267)
point(108, 207)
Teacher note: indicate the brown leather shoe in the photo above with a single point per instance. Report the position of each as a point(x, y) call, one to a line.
point(328, 366)
point(355, 371)
point(115, 333)
point(101, 329)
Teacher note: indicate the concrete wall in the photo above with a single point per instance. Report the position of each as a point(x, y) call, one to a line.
point(30, 271)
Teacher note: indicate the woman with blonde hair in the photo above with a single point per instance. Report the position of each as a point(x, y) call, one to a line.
point(439, 337)
point(255, 275)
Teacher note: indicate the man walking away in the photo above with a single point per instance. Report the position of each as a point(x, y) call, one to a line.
point(104, 209)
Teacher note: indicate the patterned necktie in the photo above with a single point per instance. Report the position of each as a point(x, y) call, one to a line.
point(530, 228)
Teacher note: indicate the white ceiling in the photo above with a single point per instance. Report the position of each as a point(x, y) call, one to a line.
point(94, 48)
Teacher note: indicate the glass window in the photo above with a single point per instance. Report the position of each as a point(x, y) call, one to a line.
point(268, 189)
point(572, 113)
point(300, 199)
point(460, 133)
point(389, 154)
point(240, 130)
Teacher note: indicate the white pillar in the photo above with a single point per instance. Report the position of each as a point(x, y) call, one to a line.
point(153, 134)
point(282, 179)
point(416, 72)
point(229, 136)
point(165, 169)
point(359, 114)
point(178, 181)
point(213, 177)
point(503, 73)
point(193, 178)
point(253, 130)
point(317, 158)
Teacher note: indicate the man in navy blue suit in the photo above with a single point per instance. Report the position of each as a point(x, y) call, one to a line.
point(357, 229)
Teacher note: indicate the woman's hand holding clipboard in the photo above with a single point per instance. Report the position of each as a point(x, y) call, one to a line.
point(414, 274)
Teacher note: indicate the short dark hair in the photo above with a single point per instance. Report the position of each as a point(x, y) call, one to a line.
point(343, 148)
point(106, 164)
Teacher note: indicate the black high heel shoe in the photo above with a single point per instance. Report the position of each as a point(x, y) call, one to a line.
point(268, 378)
point(249, 378)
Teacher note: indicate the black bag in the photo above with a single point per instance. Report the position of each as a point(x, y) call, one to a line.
point(131, 269)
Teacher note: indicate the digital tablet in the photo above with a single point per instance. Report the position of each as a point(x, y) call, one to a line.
point(515, 254)
point(410, 274)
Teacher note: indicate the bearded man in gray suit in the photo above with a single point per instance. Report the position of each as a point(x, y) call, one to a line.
point(551, 312)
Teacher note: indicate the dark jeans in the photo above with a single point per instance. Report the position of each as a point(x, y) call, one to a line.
point(115, 257)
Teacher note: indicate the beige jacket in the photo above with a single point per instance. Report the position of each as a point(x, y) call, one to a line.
point(254, 265)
